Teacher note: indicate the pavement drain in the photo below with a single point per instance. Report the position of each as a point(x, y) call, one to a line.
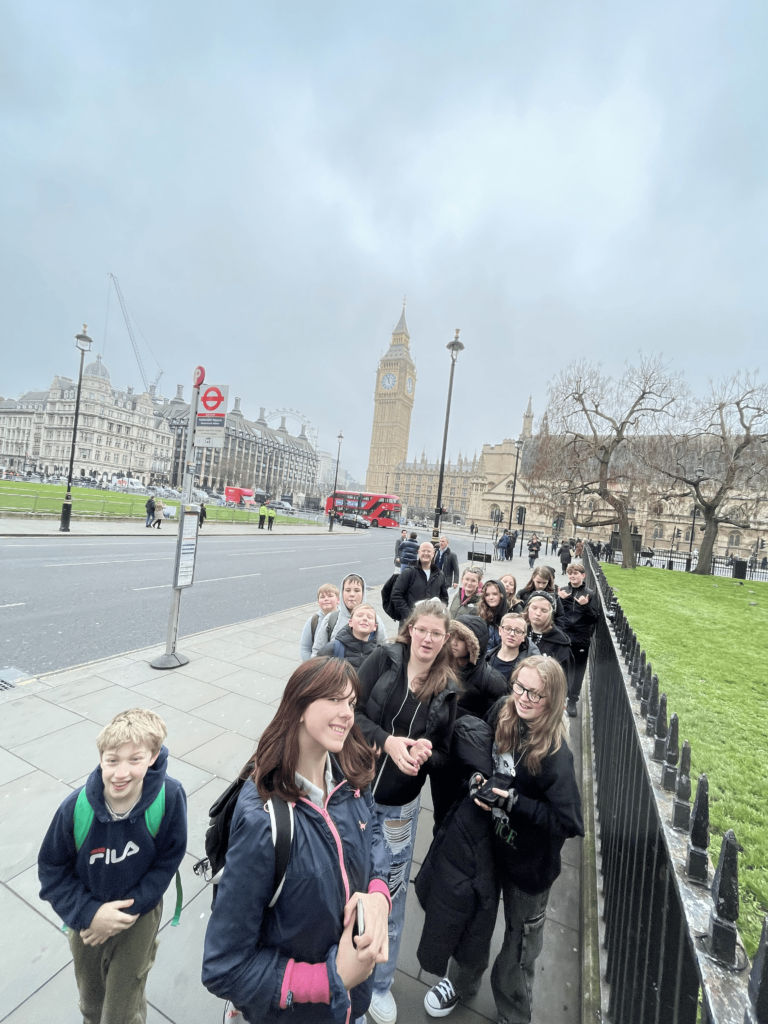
point(10, 676)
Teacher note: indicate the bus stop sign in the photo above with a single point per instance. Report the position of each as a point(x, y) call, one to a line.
point(211, 422)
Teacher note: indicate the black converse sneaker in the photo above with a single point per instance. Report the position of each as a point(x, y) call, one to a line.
point(441, 999)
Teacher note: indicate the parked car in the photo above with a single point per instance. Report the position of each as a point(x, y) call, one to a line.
point(283, 507)
point(349, 519)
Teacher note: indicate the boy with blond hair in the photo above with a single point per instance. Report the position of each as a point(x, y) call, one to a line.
point(328, 598)
point(107, 859)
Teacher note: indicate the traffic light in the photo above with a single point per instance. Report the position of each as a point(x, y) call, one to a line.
point(679, 534)
point(521, 514)
point(762, 543)
point(554, 523)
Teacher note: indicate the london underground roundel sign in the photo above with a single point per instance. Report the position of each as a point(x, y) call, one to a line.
point(212, 398)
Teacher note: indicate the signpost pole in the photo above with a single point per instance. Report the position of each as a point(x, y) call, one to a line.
point(186, 541)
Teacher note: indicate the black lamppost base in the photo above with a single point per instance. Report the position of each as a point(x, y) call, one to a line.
point(66, 514)
point(169, 660)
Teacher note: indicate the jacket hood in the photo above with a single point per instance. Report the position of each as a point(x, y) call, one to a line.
point(556, 636)
point(503, 607)
point(153, 782)
point(474, 632)
point(350, 641)
point(344, 613)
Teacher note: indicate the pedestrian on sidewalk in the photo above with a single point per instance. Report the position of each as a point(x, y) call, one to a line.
point(448, 564)
point(203, 514)
point(467, 597)
point(108, 857)
point(502, 545)
point(406, 710)
point(357, 640)
point(409, 551)
point(270, 518)
point(580, 620)
point(265, 954)
point(352, 594)
point(565, 556)
point(150, 507)
point(398, 544)
point(534, 546)
point(419, 582)
point(262, 515)
point(505, 837)
point(328, 601)
point(158, 514)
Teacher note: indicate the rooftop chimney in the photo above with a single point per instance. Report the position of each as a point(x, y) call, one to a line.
point(129, 390)
point(180, 392)
point(282, 424)
point(237, 405)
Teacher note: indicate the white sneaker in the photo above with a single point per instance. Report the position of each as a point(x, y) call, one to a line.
point(441, 999)
point(383, 1008)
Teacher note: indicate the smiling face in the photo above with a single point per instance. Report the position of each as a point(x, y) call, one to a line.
point(352, 593)
point(576, 577)
point(123, 771)
point(325, 723)
point(510, 584)
point(491, 595)
point(362, 622)
point(530, 680)
point(540, 614)
point(428, 637)
point(426, 554)
point(469, 583)
point(328, 601)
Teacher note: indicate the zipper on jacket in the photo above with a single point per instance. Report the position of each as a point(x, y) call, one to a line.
point(329, 822)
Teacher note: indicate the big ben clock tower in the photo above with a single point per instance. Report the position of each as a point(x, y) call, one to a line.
point(393, 403)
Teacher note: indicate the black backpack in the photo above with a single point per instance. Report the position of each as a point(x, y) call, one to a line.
point(386, 596)
point(217, 835)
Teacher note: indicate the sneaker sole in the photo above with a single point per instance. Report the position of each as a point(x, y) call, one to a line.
point(438, 1013)
point(380, 1019)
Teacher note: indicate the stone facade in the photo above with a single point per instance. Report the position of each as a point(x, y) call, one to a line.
point(393, 404)
point(415, 483)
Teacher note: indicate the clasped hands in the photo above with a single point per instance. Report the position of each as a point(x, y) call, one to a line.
point(408, 755)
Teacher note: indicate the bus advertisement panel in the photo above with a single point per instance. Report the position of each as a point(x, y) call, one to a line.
point(378, 509)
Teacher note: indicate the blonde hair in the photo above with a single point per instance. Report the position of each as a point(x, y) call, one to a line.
point(543, 735)
point(550, 622)
point(473, 572)
point(441, 672)
point(579, 566)
point(359, 606)
point(139, 726)
point(328, 588)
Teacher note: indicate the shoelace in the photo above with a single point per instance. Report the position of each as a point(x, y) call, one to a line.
point(445, 990)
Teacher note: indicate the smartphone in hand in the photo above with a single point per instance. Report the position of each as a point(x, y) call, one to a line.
point(358, 928)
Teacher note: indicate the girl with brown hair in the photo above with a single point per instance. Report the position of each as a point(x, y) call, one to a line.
point(406, 711)
point(507, 832)
point(265, 954)
point(492, 608)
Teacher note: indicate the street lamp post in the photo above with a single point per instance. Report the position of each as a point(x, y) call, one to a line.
point(454, 347)
point(694, 514)
point(83, 342)
point(332, 513)
point(518, 449)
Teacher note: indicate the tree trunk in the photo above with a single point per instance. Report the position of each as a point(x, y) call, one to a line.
point(628, 560)
point(704, 566)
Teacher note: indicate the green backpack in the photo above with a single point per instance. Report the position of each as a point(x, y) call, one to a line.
point(153, 816)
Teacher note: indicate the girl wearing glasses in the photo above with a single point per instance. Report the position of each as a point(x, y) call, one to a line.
point(406, 711)
point(514, 648)
point(549, 638)
point(508, 841)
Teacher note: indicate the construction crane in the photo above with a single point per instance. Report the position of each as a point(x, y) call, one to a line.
point(127, 319)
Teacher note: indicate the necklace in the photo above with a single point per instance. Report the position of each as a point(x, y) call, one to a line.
point(119, 815)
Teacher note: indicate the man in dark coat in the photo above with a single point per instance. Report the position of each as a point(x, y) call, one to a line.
point(447, 563)
point(150, 507)
point(409, 551)
point(418, 582)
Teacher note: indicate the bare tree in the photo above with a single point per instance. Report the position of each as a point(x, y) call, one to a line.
point(718, 457)
point(597, 416)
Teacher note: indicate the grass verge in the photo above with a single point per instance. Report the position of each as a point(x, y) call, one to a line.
point(705, 637)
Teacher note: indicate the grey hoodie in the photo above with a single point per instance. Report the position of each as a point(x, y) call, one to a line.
point(321, 635)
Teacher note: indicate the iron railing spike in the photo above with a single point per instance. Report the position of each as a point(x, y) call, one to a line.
point(722, 935)
point(697, 861)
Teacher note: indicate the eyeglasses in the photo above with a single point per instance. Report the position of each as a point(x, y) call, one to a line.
point(424, 633)
point(511, 630)
point(532, 695)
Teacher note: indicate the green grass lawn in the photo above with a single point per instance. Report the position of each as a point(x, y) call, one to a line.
point(706, 638)
point(17, 496)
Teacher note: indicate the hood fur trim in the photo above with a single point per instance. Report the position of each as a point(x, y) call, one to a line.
point(465, 633)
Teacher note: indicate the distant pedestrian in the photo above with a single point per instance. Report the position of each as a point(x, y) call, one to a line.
point(534, 546)
point(398, 544)
point(447, 563)
point(158, 514)
point(262, 515)
point(564, 554)
point(503, 545)
point(150, 507)
point(473, 528)
point(203, 514)
point(578, 551)
point(409, 551)
point(608, 552)
point(270, 518)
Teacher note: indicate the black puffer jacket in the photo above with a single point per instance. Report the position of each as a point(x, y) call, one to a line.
point(412, 585)
point(409, 552)
point(579, 620)
point(384, 686)
point(481, 685)
point(353, 650)
point(555, 644)
point(505, 668)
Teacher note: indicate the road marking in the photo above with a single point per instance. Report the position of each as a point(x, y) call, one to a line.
point(110, 561)
point(16, 604)
point(328, 565)
point(275, 551)
point(216, 579)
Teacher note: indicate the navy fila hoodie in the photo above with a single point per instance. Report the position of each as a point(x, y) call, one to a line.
point(119, 860)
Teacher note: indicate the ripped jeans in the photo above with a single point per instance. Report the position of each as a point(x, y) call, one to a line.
point(398, 826)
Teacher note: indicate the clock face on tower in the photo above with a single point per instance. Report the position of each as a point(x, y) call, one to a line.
point(409, 385)
point(388, 381)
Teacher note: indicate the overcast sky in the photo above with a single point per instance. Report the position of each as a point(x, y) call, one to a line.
point(267, 180)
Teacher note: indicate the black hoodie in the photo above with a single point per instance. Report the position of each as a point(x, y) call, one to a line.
point(555, 644)
point(352, 650)
point(505, 668)
point(579, 620)
point(481, 684)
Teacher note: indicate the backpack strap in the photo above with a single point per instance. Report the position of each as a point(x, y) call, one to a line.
point(153, 816)
point(82, 819)
point(281, 820)
point(333, 618)
point(313, 625)
point(339, 650)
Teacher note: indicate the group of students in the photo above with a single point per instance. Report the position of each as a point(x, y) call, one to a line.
point(470, 696)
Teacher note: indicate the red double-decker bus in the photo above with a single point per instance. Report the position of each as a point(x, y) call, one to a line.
point(378, 509)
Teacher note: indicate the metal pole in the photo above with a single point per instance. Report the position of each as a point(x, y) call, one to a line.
point(332, 513)
point(454, 347)
point(66, 508)
point(522, 533)
point(514, 487)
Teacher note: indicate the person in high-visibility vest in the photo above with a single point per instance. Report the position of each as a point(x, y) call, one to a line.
point(262, 516)
point(270, 517)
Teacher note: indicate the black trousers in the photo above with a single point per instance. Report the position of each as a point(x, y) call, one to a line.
point(580, 654)
point(261, 522)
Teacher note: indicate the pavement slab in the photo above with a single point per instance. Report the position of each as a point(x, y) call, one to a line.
point(215, 708)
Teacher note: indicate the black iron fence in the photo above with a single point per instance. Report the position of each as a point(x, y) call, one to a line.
point(682, 561)
point(671, 944)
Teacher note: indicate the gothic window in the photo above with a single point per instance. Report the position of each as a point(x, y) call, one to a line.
point(734, 539)
point(657, 509)
point(658, 532)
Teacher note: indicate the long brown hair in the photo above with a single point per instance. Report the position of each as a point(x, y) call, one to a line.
point(545, 734)
point(442, 670)
point(277, 756)
point(493, 616)
point(546, 574)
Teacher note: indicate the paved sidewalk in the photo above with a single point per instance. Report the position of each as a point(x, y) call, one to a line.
point(215, 708)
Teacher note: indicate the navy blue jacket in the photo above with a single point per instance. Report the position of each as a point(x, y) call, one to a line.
point(409, 553)
point(248, 945)
point(140, 868)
